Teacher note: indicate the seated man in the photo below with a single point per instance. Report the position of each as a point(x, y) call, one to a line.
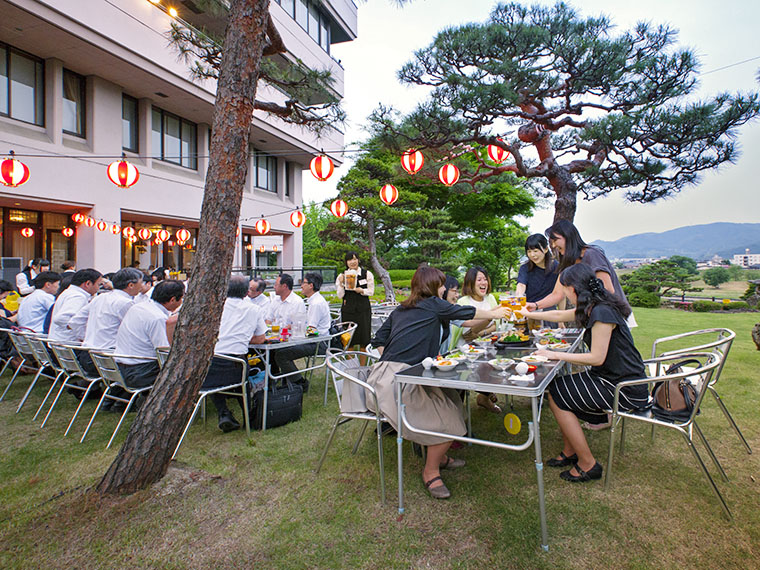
point(242, 323)
point(84, 284)
point(318, 316)
point(285, 305)
point(35, 306)
point(257, 297)
point(146, 327)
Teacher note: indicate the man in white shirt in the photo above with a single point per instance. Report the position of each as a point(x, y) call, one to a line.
point(35, 306)
point(286, 305)
point(256, 295)
point(242, 323)
point(318, 317)
point(84, 284)
point(146, 327)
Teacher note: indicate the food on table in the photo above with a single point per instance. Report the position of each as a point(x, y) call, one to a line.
point(521, 368)
point(501, 363)
point(534, 358)
point(514, 337)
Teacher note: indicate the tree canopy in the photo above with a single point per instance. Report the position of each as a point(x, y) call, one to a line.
point(579, 106)
point(660, 278)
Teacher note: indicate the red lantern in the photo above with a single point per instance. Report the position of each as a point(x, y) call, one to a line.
point(145, 234)
point(322, 167)
point(68, 232)
point(122, 173)
point(90, 222)
point(132, 239)
point(297, 218)
point(448, 174)
point(128, 232)
point(497, 154)
point(115, 229)
point(274, 248)
point(182, 236)
point(27, 232)
point(13, 172)
point(263, 227)
point(163, 235)
point(78, 218)
point(249, 246)
point(388, 194)
point(102, 226)
point(237, 231)
point(261, 249)
point(339, 208)
point(412, 160)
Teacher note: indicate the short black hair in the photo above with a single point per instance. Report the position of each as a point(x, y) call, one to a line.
point(123, 277)
point(287, 280)
point(66, 265)
point(84, 275)
point(6, 286)
point(166, 289)
point(315, 279)
point(45, 277)
point(350, 255)
point(261, 284)
point(237, 288)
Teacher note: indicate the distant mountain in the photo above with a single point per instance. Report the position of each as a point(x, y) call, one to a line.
point(698, 242)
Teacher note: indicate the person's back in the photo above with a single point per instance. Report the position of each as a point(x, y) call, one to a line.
point(106, 312)
point(84, 285)
point(142, 330)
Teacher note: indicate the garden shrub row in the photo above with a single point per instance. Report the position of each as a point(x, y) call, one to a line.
point(707, 306)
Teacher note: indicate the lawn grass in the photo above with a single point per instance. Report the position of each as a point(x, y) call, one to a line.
point(232, 504)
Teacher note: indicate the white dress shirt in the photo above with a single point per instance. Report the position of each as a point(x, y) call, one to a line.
point(319, 313)
point(68, 304)
point(34, 308)
point(241, 320)
point(142, 297)
point(24, 283)
point(103, 317)
point(284, 311)
point(262, 302)
point(142, 331)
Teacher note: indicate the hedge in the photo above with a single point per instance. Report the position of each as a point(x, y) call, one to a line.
point(640, 298)
point(707, 306)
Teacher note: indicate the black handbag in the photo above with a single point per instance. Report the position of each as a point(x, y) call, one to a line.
point(284, 405)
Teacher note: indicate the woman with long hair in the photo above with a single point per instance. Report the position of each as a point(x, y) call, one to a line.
point(355, 293)
point(612, 358)
point(410, 334)
point(570, 249)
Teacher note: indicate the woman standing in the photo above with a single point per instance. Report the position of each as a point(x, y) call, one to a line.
point(410, 334)
point(27, 275)
point(612, 358)
point(355, 289)
point(537, 276)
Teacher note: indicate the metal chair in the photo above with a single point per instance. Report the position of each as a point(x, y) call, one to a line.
point(73, 370)
point(20, 341)
point(5, 360)
point(111, 375)
point(45, 360)
point(722, 345)
point(230, 389)
point(700, 377)
point(341, 328)
point(345, 370)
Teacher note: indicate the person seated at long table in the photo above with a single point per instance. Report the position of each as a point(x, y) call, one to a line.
point(410, 334)
point(612, 358)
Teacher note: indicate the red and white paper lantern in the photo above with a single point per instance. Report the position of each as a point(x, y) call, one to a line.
point(115, 229)
point(412, 160)
point(68, 232)
point(101, 226)
point(90, 222)
point(321, 167)
point(182, 236)
point(79, 218)
point(13, 172)
point(128, 232)
point(497, 154)
point(263, 227)
point(27, 232)
point(448, 174)
point(388, 194)
point(144, 234)
point(122, 173)
point(339, 208)
point(297, 218)
point(163, 235)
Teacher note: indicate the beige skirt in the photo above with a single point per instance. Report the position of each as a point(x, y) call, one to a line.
point(432, 409)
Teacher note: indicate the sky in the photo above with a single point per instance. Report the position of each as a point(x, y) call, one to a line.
point(720, 33)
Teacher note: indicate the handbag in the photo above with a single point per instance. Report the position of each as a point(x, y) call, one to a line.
point(284, 405)
point(674, 399)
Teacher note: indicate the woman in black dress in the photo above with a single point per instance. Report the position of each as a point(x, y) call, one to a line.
point(612, 358)
point(356, 307)
point(410, 334)
point(538, 275)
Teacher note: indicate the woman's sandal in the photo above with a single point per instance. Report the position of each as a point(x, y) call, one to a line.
point(564, 462)
point(440, 492)
point(487, 403)
point(452, 463)
point(594, 473)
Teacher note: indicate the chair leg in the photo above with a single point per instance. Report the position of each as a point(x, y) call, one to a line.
point(13, 378)
point(622, 435)
point(55, 401)
point(610, 452)
point(79, 407)
point(5, 365)
point(729, 418)
point(710, 451)
point(189, 423)
point(327, 446)
point(702, 466)
point(29, 390)
point(95, 413)
point(328, 377)
point(361, 436)
point(380, 459)
point(45, 399)
point(121, 419)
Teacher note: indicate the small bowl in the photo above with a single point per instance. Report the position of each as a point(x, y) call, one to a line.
point(493, 362)
point(446, 364)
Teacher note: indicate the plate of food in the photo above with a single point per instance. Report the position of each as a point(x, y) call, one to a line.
point(540, 333)
point(501, 363)
point(445, 364)
point(562, 345)
point(456, 355)
point(534, 359)
point(513, 339)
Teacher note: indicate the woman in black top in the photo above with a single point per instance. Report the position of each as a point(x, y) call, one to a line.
point(356, 307)
point(410, 334)
point(612, 358)
point(538, 275)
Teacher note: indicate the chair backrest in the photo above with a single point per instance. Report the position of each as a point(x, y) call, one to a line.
point(108, 368)
point(21, 342)
point(349, 379)
point(41, 353)
point(162, 353)
point(717, 340)
point(344, 332)
point(68, 360)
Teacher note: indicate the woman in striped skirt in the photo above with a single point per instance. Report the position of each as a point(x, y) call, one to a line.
point(612, 358)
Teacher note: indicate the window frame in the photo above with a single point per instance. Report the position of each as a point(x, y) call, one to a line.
point(192, 156)
point(39, 85)
point(136, 148)
point(270, 165)
point(81, 117)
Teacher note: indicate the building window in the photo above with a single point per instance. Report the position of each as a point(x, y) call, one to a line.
point(73, 103)
point(265, 169)
point(129, 122)
point(302, 13)
point(288, 6)
point(324, 34)
point(22, 86)
point(314, 22)
point(288, 174)
point(174, 139)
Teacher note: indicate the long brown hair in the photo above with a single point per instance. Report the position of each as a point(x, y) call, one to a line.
point(425, 283)
point(468, 287)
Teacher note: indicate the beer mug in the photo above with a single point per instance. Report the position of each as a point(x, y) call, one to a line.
point(349, 279)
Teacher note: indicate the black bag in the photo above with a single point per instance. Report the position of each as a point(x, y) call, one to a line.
point(284, 405)
point(674, 399)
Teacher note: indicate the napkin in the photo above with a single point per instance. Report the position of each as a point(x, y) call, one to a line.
point(523, 378)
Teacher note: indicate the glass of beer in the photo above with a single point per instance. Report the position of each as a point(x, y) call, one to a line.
point(350, 279)
point(504, 300)
point(275, 327)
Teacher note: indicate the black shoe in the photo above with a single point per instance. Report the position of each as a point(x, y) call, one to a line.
point(227, 421)
point(594, 473)
point(564, 462)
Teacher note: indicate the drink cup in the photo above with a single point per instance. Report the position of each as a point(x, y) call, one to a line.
point(350, 280)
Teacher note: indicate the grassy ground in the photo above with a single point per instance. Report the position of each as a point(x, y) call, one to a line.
point(229, 503)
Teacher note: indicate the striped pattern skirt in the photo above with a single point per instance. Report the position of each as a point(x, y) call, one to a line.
point(589, 396)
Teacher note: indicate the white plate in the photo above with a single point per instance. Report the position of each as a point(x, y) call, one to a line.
point(534, 359)
point(450, 364)
point(493, 361)
point(473, 349)
point(558, 346)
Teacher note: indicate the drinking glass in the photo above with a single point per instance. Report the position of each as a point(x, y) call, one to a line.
point(471, 356)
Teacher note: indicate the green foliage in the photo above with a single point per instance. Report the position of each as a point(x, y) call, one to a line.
point(751, 293)
point(715, 276)
point(401, 274)
point(660, 278)
point(640, 298)
point(686, 263)
point(736, 272)
point(706, 306)
point(317, 251)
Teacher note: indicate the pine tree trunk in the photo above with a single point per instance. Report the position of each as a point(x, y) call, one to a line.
point(390, 294)
point(566, 190)
point(146, 453)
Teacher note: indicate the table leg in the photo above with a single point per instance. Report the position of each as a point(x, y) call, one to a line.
point(539, 473)
point(267, 372)
point(399, 450)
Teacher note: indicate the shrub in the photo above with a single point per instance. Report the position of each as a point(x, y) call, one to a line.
point(707, 306)
point(734, 305)
point(401, 274)
point(641, 298)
